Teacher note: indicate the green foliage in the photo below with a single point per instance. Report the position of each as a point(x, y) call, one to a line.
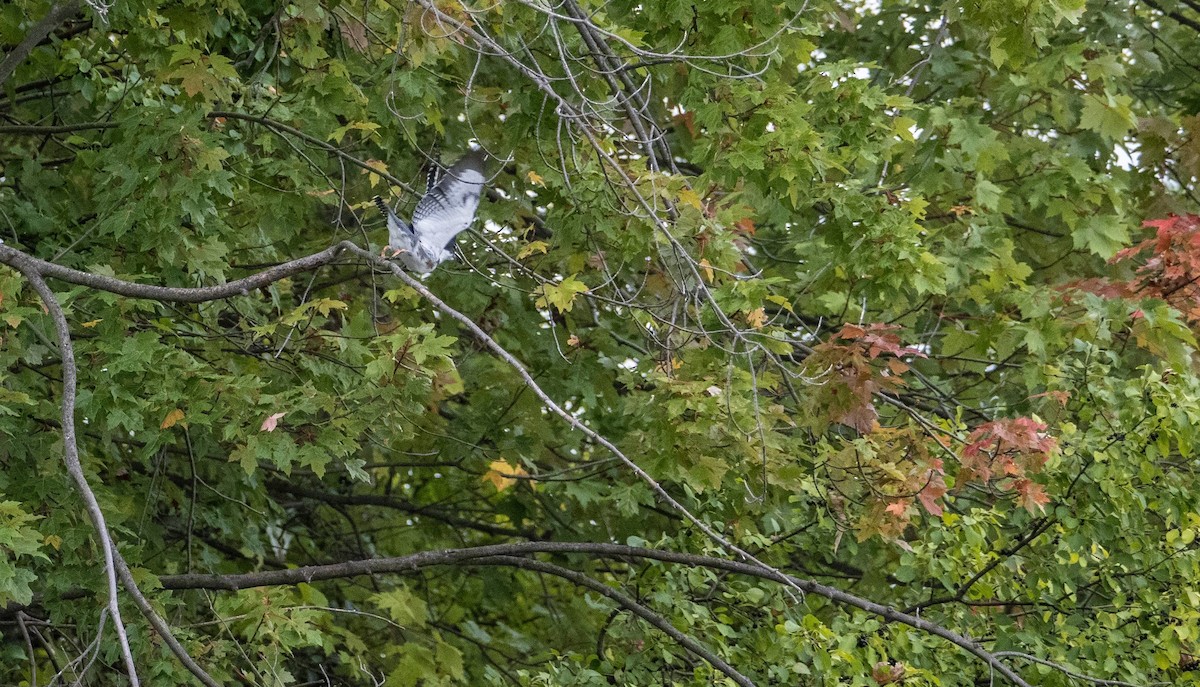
point(872, 315)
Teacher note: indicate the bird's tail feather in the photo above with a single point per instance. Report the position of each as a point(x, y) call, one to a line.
point(383, 208)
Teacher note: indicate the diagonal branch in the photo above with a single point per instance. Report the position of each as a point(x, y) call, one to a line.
point(35, 269)
point(71, 458)
point(625, 602)
point(54, 18)
point(114, 564)
point(472, 556)
point(175, 294)
point(574, 422)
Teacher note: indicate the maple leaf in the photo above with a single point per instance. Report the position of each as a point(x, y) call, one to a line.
point(745, 226)
point(757, 318)
point(533, 247)
point(271, 422)
point(930, 494)
point(861, 416)
point(1033, 496)
point(561, 296)
point(897, 508)
point(689, 122)
point(1059, 396)
point(171, 419)
point(503, 475)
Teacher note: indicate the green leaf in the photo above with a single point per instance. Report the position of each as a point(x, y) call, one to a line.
point(561, 295)
point(402, 606)
point(1102, 235)
point(1109, 116)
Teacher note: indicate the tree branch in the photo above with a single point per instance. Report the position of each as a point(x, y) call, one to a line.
point(240, 287)
point(55, 17)
point(558, 410)
point(625, 602)
point(1182, 19)
point(74, 468)
point(114, 564)
point(474, 555)
point(400, 505)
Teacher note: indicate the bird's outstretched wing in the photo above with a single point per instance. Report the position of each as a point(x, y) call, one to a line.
point(433, 170)
point(449, 207)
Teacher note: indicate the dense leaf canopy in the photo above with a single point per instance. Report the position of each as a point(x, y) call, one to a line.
point(805, 343)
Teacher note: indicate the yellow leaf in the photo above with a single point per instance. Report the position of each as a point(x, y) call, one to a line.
point(533, 247)
point(172, 417)
point(561, 296)
point(53, 540)
point(706, 267)
point(93, 323)
point(372, 177)
point(781, 302)
point(535, 178)
point(339, 133)
point(689, 197)
point(502, 475)
point(757, 318)
point(12, 320)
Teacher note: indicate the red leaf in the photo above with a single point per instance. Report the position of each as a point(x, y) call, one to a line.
point(1033, 496)
point(929, 497)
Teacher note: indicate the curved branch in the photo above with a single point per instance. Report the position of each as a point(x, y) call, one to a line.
point(175, 294)
point(75, 469)
point(470, 556)
point(57, 15)
point(14, 257)
point(381, 501)
point(574, 422)
point(625, 602)
point(114, 564)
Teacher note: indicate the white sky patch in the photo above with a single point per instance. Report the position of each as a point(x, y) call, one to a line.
point(628, 364)
point(869, 7)
point(1126, 156)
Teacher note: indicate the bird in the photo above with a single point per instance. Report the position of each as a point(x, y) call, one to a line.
point(447, 208)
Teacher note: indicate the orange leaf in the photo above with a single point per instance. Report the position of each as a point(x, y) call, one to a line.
point(172, 417)
point(745, 226)
point(502, 475)
point(757, 318)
